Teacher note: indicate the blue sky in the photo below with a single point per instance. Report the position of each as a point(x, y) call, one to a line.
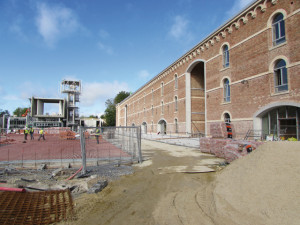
point(110, 46)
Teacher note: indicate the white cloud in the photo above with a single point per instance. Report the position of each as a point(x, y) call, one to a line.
point(238, 6)
point(98, 93)
point(179, 27)
point(143, 74)
point(180, 30)
point(55, 23)
point(29, 89)
point(105, 48)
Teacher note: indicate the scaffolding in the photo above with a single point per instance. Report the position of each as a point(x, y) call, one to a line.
point(73, 89)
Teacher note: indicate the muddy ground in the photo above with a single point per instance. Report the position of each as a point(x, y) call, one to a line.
point(260, 188)
point(179, 185)
point(156, 193)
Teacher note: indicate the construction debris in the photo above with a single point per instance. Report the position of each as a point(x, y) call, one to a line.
point(98, 187)
point(42, 166)
point(67, 135)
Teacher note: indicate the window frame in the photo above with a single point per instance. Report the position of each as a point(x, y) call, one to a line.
point(280, 75)
point(278, 26)
point(226, 90)
point(225, 51)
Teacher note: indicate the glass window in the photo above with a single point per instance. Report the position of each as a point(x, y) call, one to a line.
point(278, 29)
point(291, 112)
point(176, 104)
point(282, 112)
point(162, 107)
point(280, 75)
point(273, 121)
point(225, 56)
point(162, 88)
point(226, 91)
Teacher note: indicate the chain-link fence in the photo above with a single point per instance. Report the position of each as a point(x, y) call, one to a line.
point(61, 146)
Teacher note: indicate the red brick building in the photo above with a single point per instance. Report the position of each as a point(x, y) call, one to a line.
point(246, 73)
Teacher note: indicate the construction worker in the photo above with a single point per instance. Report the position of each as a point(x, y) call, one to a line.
point(26, 131)
point(42, 135)
point(31, 131)
point(97, 134)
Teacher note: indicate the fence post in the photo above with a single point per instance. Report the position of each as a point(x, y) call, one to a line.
point(83, 150)
point(139, 141)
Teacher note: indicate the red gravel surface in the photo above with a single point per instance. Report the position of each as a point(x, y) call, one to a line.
point(55, 147)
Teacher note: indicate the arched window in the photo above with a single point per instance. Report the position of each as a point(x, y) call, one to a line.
point(152, 110)
point(278, 29)
point(162, 89)
point(176, 126)
point(280, 76)
point(176, 81)
point(226, 90)
point(162, 107)
point(176, 103)
point(225, 56)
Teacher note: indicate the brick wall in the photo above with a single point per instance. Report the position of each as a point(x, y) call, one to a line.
point(250, 74)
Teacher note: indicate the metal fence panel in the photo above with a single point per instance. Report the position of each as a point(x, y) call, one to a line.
point(63, 146)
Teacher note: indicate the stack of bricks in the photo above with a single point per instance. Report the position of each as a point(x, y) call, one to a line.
point(219, 130)
point(227, 148)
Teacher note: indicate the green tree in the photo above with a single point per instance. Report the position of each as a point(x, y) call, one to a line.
point(121, 96)
point(19, 111)
point(4, 112)
point(110, 112)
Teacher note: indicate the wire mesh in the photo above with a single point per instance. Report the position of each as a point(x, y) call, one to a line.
point(61, 145)
point(35, 207)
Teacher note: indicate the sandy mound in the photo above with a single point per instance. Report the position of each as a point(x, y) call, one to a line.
point(261, 188)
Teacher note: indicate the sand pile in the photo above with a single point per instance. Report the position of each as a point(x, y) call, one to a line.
point(261, 188)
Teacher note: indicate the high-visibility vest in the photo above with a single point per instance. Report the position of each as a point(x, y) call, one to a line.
point(97, 131)
point(41, 131)
point(26, 131)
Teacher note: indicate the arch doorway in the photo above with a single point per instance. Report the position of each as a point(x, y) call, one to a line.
point(197, 93)
point(144, 128)
point(162, 127)
point(280, 121)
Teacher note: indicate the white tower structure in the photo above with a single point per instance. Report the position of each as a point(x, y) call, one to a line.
point(73, 89)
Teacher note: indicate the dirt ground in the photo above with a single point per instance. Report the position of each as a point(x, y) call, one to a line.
point(261, 188)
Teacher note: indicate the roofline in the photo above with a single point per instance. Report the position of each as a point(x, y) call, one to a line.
point(253, 4)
